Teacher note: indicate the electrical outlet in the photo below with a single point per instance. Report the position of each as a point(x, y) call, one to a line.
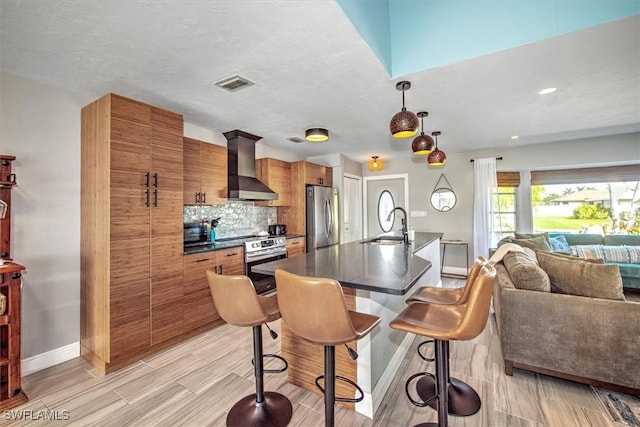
point(417, 214)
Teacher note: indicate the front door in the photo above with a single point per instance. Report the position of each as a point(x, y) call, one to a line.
point(352, 198)
point(383, 193)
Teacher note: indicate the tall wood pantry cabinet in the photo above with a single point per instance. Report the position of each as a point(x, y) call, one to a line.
point(131, 240)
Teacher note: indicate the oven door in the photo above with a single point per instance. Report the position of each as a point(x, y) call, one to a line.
point(263, 282)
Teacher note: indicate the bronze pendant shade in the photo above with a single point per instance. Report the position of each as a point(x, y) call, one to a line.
point(436, 157)
point(422, 144)
point(404, 123)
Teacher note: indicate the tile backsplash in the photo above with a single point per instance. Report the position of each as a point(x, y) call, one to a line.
point(237, 218)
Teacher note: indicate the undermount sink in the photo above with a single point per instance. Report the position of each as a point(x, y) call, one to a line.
point(384, 240)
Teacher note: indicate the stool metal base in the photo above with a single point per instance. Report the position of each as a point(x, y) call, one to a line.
point(463, 399)
point(274, 411)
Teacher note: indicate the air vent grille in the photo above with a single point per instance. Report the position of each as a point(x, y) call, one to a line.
point(295, 139)
point(234, 83)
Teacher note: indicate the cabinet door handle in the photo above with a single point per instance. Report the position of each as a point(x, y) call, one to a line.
point(197, 197)
point(233, 254)
point(155, 180)
point(155, 198)
point(220, 267)
point(146, 195)
point(146, 176)
point(204, 197)
point(202, 260)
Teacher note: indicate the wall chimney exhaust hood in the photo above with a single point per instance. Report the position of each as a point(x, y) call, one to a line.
point(241, 160)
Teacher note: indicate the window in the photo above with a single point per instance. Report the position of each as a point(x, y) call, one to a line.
point(589, 200)
point(504, 206)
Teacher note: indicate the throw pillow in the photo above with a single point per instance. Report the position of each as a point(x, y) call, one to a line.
point(580, 277)
point(535, 243)
point(634, 254)
point(525, 273)
point(587, 251)
point(531, 236)
point(567, 256)
point(617, 254)
point(560, 244)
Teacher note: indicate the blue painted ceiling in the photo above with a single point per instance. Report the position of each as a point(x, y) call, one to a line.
point(409, 36)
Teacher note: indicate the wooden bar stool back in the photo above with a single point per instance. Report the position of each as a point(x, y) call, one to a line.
point(444, 323)
point(314, 309)
point(238, 304)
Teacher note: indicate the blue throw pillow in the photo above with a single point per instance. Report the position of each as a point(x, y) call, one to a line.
point(560, 244)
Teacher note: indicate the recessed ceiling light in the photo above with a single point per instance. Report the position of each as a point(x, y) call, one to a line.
point(514, 137)
point(547, 90)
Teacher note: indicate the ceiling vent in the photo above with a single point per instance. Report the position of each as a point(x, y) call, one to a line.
point(295, 139)
point(234, 83)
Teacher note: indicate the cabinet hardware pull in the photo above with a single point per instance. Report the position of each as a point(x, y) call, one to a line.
point(202, 260)
point(220, 268)
point(16, 275)
point(233, 254)
point(197, 197)
point(146, 193)
point(155, 198)
point(155, 180)
point(204, 197)
point(146, 175)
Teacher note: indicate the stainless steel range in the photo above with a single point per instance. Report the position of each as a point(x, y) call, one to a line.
point(260, 251)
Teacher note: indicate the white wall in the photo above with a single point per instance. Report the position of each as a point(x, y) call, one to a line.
point(458, 223)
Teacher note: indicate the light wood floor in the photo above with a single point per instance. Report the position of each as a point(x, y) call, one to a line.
point(194, 384)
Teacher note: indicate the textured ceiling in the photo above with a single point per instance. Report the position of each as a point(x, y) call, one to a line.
point(311, 68)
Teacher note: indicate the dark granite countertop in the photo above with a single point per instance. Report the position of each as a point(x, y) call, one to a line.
point(391, 269)
point(232, 242)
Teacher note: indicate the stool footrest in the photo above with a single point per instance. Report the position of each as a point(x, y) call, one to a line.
point(419, 403)
point(274, 371)
point(421, 354)
point(343, 399)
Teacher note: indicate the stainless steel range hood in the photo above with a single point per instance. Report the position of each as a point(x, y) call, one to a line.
point(241, 160)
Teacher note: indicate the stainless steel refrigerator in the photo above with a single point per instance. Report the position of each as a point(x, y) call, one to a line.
point(322, 217)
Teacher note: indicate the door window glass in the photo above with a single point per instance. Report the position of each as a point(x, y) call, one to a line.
point(386, 204)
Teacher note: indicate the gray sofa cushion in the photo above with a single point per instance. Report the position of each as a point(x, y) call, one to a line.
point(581, 277)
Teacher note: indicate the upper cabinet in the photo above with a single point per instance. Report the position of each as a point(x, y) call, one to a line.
point(275, 174)
point(205, 173)
point(315, 174)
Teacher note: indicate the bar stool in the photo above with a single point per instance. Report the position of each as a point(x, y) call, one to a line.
point(444, 323)
point(463, 399)
point(314, 309)
point(237, 303)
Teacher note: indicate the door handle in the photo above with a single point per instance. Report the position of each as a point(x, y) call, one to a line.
point(146, 175)
point(146, 194)
point(155, 180)
point(198, 197)
point(155, 198)
point(204, 197)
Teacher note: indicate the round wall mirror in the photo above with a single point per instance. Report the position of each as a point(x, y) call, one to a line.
point(443, 199)
point(386, 204)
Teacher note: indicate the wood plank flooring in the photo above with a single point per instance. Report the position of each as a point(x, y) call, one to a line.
point(196, 382)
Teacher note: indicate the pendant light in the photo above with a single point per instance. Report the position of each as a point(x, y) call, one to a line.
point(422, 144)
point(436, 157)
point(316, 135)
point(405, 123)
point(374, 164)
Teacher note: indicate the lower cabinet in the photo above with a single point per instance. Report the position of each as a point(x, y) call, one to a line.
point(295, 246)
point(167, 307)
point(199, 309)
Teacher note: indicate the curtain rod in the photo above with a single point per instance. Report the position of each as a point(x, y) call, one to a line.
point(497, 158)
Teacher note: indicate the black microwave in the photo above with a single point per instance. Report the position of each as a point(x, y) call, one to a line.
point(197, 233)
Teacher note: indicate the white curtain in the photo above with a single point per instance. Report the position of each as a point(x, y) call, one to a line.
point(485, 184)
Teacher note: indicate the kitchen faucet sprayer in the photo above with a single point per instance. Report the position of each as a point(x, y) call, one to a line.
point(405, 236)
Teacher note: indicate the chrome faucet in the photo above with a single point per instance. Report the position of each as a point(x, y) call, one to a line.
point(405, 235)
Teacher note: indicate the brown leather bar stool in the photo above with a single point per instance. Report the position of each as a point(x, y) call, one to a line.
point(444, 323)
point(463, 399)
point(314, 309)
point(237, 303)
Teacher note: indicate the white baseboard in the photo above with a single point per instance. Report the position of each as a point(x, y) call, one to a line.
point(50, 358)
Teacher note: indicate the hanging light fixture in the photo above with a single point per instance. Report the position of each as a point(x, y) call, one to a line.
point(374, 164)
point(436, 157)
point(405, 123)
point(316, 134)
point(422, 144)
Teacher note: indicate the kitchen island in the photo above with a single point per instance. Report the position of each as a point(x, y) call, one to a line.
point(375, 276)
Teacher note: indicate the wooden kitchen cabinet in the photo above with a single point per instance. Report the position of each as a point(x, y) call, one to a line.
point(199, 310)
point(295, 246)
point(131, 222)
point(205, 173)
point(275, 174)
point(302, 173)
